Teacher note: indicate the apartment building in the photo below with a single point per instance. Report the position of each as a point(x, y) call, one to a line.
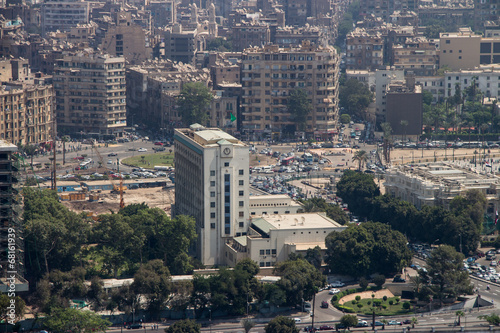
point(90, 94)
point(485, 77)
point(365, 50)
point(182, 45)
point(211, 184)
point(270, 73)
point(62, 15)
point(466, 49)
point(11, 228)
point(247, 34)
point(417, 55)
point(435, 184)
point(485, 12)
point(433, 84)
point(383, 79)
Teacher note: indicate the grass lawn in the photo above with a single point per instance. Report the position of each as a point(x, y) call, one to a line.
point(150, 160)
point(365, 306)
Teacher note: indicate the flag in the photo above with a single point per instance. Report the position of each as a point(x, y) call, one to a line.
point(496, 217)
point(233, 118)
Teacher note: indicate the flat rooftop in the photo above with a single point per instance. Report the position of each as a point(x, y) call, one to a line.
point(294, 221)
point(7, 146)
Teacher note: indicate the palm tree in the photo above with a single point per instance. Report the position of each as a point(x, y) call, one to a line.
point(387, 129)
point(361, 156)
point(459, 314)
point(64, 139)
point(247, 324)
point(404, 123)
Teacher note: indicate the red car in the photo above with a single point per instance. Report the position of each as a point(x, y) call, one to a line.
point(326, 328)
point(158, 143)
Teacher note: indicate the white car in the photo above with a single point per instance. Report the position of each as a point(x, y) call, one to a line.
point(142, 150)
point(110, 162)
point(337, 284)
point(334, 291)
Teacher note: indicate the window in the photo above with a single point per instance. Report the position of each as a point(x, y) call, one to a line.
point(212, 215)
point(485, 48)
point(447, 41)
point(261, 252)
point(241, 224)
point(212, 204)
point(241, 193)
point(261, 264)
point(273, 251)
point(241, 182)
point(212, 173)
point(268, 252)
point(241, 172)
point(212, 225)
point(241, 214)
point(241, 203)
point(226, 164)
point(212, 194)
point(212, 183)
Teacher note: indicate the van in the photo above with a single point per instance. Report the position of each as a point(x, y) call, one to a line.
point(297, 320)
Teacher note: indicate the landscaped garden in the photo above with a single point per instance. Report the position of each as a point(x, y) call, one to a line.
point(148, 161)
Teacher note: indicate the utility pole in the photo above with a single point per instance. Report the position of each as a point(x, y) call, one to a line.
point(54, 147)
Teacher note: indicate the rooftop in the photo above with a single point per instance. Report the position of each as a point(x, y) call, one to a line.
point(7, 146)
point(267, 223)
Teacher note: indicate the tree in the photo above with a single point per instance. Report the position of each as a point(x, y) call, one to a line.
point(345, 118)
point(19, 309)
point(354, 96)
point(299, 107)
point(492, 319)
point(184, 326)
point(361, 157)
point(448, 278)
point(247, 325)
point(379, 280)
point(357, 190)
point(281, 324)
point(459, 315)
point(219, 44)
point(314, 257)
point(349, 321)
point(363, 283)
point(153, 280)
point(77, 321)
point(387, 129)
point(299, 280)
point(193, 103)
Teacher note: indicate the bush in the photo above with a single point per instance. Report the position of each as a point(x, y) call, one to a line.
point(369, 302)
point(391, 302)
point(360, 305)
point(384, 306)
point(379, 280)
point(335, 298)
point(358, 298)
point(397, 300)
point(353, 301)
point(384, 298)
point(346, 309)
point(406, 305)
point(377, 302)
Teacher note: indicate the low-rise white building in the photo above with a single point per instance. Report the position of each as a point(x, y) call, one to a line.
point(273, 204)
point(271, 238)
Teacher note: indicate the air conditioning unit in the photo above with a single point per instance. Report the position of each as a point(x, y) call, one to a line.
point(264, 257)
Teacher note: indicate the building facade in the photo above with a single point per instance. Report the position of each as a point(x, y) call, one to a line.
point(405, 108)
point(269, 74)
point(211, 184)
point(365, 50)
point(90, 94)
point(486, 78)
point(62, 15)
point(417, 55)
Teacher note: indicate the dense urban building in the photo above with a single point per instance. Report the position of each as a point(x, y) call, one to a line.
point(365, 50)
point(211, 184)
point(270, 73)
point(417, 55)
point(62, 15)
point(90, 94)
point(405, 108)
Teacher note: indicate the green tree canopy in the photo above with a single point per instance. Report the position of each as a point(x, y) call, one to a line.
point(299, 107)
point(357, 190)
point(354, 97)
point(349, 321)
point(77, 321)
point(281, 324)
point(299, 280)
point(153, 280)
point(193, 103)
point(184, 326)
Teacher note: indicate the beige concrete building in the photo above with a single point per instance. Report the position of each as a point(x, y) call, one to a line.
point(272, 238)
point(365, 50)
point(273, 204)
point(90, 94)
point(418, 55)
point(438, 183)
point(467, 50)
point(62, 15)
point(270, 73)
point(485, 77)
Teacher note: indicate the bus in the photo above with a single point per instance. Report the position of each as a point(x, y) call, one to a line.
point(287, 161)
point(307, 157)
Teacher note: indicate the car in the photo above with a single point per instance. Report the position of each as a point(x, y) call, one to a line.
point(310, 329)
point(362, 323)
point(394, 322)
point(326, 328)
point(297, 320)
point(337, 284)
point(110, 162)
point(334, 291)
point(158, 143)
point(131, 149)
point(340, 164)
point(324, 305)
point(398, 279)
point(134, 326)
point(378, 323)
point(407, 321)
point(112, 154)
point(493, 263)
point(142, 150)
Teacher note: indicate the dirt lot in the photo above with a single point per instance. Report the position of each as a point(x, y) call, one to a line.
point(154, 197)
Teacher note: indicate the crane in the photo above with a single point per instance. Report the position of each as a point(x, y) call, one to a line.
point(116, 188)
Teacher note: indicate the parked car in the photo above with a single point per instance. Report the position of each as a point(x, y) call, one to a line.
point(394, 322)
point(142, 150)
point(134, 326)
point(326, 328)
point(111, 154)
point(362, 323)
point(398, 279)
point(334, 291)
point(337, 284)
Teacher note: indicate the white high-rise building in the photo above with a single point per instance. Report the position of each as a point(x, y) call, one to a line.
point(211, 184)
